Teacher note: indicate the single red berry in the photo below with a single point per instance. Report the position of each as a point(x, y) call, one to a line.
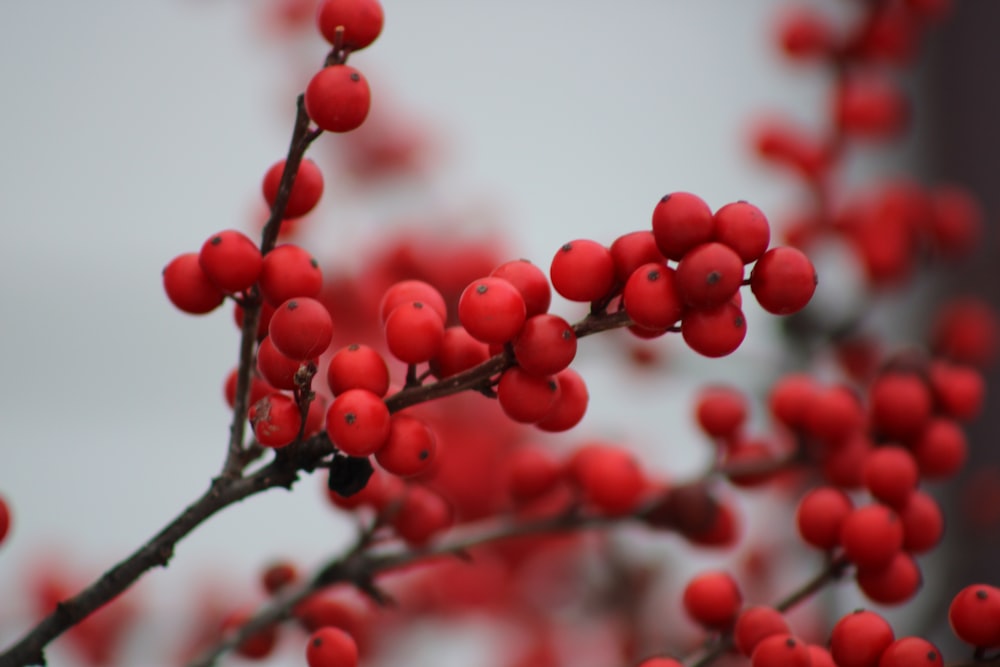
point(188, 288)
point(721, 411)
point(545, 345)
point(790, 398)
point(531, 473)
point(491, 310)
point(834, 415)
point(681, 221)
point(900, 405)
point(331, 647)
point(871, 536)
point(570, 404)
point(422, 515)
point(459, 352)
point(414, 333)
point(361, 21)
point(923, 523)
point(744, 228)
point(958, 390)
point(782, 650)
point(651, 297)
point(279, 370)
point(783, 280)
point(842, 465)
point(890, 474)
point(231, 261)
point(258, 388)
point(301, 328)
point(410, 447)
point(257, 646)
point(870, 107)
point(582, 270)
point(806, 34)
point(713, 599)
point(956, 221)
point(524, 397)
point(820, 657)
point(632, 250)
point(859, 639)
point(358, 422)
point(357, 367)
point(338, 98)
point(820, 516)
point(911, 652)
point(941, 449)
point(306, 191)
point(276, 420)
point(381, 491)
point(967, 331)
point(530, 281)
point(289, 272)
point(408, 291)
point(894, 583)
point(278, 576)
point(714, 332)
point(974, 615)
point(4, 518)
point(757, 623)
point(609, 477)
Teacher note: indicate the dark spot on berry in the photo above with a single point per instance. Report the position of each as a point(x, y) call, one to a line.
point(981, 594)
point(526, 261)
point(553, 386)
point(859, 610)
point(423, 455)
point(653, 275)
point(482, 289)
point(292, 305)
point(313, 262)
point(350, 418)
point(567, 247)
point(664, 198)
point(713, 277)
point(353, 347)
point(216, 240)
point(355, 76)
point(739, 322)
point(790, 642)
point(418, 305)
point(317, 642)
point(932, 656)
point(567, 334)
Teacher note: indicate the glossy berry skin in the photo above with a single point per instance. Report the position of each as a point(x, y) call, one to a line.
point(783, 280)
point(408, 291)
point(278, 369)
point(820, 516)
point(894, 583)
point(338, 98)
point(231, 261)
point(715, 332)
point(289, 272)
point(414, 333)
point(859, 639)
point(651, 297)
point(331, 647)
point(357, 367)
point(713, 599)
point(709, 275)
point(782, 650)
point(410, 447)
point(582, 270)
point(306, 190)
point(275, 419)
point(301, 328)
point(755, 624)
point(871, 536)
point(570, 404)
point(188, 288)
point(890, 474)
point(681, 221)
point(744, 228)
point(459, 352)
point(911, 652)
point(361, 19)
point(545, 345)
point(358, 422)
point(721, 411)
point(530, 281)
point(491, 310)
point(974, 615)
point(524, 397)
point(632, 250)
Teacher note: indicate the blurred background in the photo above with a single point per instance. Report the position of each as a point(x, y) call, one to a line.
point(131, 132)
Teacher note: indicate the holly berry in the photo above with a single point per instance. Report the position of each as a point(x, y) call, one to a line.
point(531, 473)
point(357, 367)
point(713, 599)
point(459, 352)
point(301, 328)
point(545, 345)
point(306, 190)
point(923, 523)
point(276, 420)
point(570, 404)
point(714, 332)
point(894, 583)
point(331, 647)
point(358, 422)
point(279, 370)
point(709, 275)
point(582, 270)
point(974, 615)
point(410, 447)
point(4, 518)
point(609, 477)
point(900, 405)
point(782, 650)
point(278, 576)
point(361, 21)
point(721, 411)
point(422, 514)
point(820, 516)
point(783, 280)
point(859, 639)
point(231, 261)
point(681, 221)
point(414, 333)
point(744, 228)
point(911, 652)
point(651, 297)
point(890, 473)
point(289, 272)
point(338, 98)
point(530, 281)
point(941, 449)
point(524, 397)
point(871, 536)
point(408, 291)
point(755, 624)
point(632, 250)
point(188, 288)
point(491, 310)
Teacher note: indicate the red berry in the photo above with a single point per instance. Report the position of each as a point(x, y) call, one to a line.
point(545, 345)
point(630, 251)
point(570, 404)
point(842, 465)
point(361, 20)
point(357, 367)
point(681, 221)
point(257, 646)
point(834, 415)
point(278, 369)
point(276, 420)
point(491, 310)
point(410, 448)
point(859, 639)
point(278, 576)
point(530, 281)
point(231, 261)
point(422, 515)
point(524, 397)
point(714, 332)
point(974, 615)
point(532, 472)
point(4, 519)
point(894, 583)
point(301, 328)
point(806, 34)
point(956, 221)
point(900, 405)
point(923, 523)
point(713, 599)
point(783, 280)
point(609, 477)
point(871, 536)
point(757, 623)
point(911, 652)
point(331, 647)
point(414, 333)
point(358, 422)
point(820, 657)
point(408, 291)
point(744, 228)
point(782, 650)
point(289, 272)
point(188, 288)
point(651, 298)
point(890, 475)
point(306, 191)
point(958, 390)
point(337, 98)
point(941, 449)
point(870, 107)
point(258, 388)
point(459, 352)
point(263, 321)
point(582, 270)
point(790, 398)
point(967, 331)
point(820, 516)
point(721, 411)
